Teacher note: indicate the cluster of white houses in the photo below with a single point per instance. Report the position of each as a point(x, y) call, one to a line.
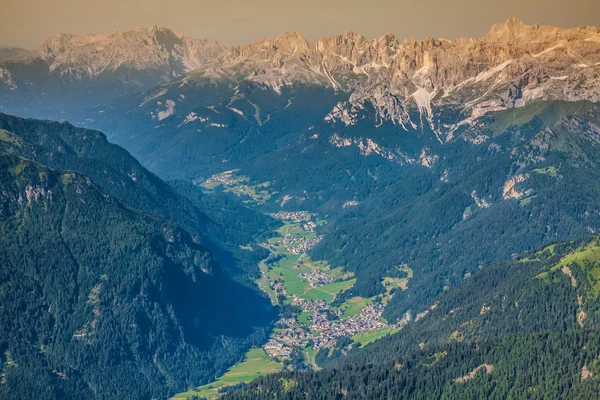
point(316, 278)
point(323, 330)
point(293, 216)
point(298, 245)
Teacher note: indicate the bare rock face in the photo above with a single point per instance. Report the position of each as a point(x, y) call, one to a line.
point(513, 65)
point(68, 71)
point(152, 48)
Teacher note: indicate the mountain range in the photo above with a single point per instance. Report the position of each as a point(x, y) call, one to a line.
point(460, 160)
point(66, 68)
point(511, 65)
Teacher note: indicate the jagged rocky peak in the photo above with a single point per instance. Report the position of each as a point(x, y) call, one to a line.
point(352, 52)
point(266, 49)
point(515, 30)
point(344, 43)
point(511, 66)
point(508, 31)
point(140, 48)
point(291, 42)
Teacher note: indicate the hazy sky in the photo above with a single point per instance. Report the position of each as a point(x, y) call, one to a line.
point(27, 22)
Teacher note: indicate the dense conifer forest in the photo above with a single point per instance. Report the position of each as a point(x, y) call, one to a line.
point(104, 290)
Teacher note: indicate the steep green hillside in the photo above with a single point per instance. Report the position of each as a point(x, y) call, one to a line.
point(102, 300)
point(62, 146)
point(529, 183)
point(527, 328)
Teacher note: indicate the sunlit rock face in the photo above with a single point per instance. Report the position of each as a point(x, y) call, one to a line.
point(512, 65)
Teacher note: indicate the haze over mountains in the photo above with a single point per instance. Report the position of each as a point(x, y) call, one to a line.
point(439, 157)
point(100, 66)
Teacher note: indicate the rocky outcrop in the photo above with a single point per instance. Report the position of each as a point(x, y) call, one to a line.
point(487, 367)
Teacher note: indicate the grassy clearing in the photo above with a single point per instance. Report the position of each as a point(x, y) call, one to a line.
point(303, 317)
point(587, 258)
point(550, 171)
point(288, 229)
point(263, 283)
point(310, 356)
point(317, 294)
point(526, 201)
point(550, 249)
point(285, 270)
point(256, 363)
point(353, 306)
point(393, 283)
point(583, 256)
point(365, 338)
point(337, 287)
point(9, 137)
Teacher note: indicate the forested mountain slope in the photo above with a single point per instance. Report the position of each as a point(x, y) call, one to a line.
point(62, 146)
point(527, 328)
point(533, 180)
point(395, 196)
point(99, 299)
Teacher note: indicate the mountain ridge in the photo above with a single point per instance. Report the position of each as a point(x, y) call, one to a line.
point(513, 63)
point(66, 68)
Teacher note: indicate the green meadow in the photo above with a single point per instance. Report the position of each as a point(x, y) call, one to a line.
point(365, 338)
point(352, 307)
point(256, 363)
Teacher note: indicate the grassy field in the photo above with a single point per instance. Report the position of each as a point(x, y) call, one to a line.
point(586, 258)
point(256, 363)
point(285, 270)
point(583, 255)
point(393, 283)
point(318, 294)
point(337, 287)
point(293, 230)
point(310, 356)
point(367, 337)
point(303, 317)
point(238, 185)
point(289, 268)
point(10, 137)
point(352, 307)
point(263, 283)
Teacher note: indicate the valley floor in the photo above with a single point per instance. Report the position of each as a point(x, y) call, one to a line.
point(313, 320)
